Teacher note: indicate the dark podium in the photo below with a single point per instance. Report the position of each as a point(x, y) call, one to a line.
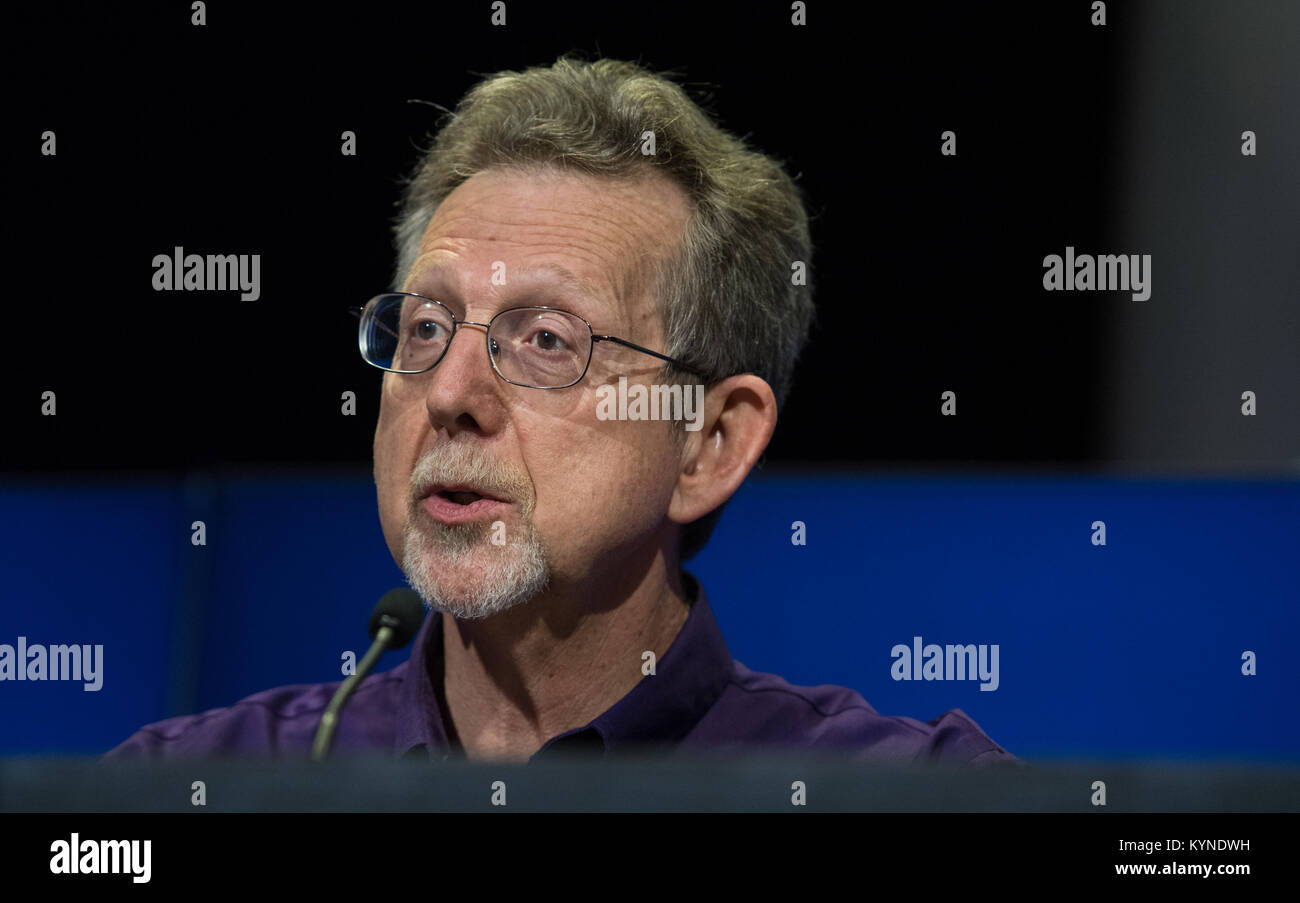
point(748, 784)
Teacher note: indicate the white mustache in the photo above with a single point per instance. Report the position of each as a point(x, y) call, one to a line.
point(464, 464)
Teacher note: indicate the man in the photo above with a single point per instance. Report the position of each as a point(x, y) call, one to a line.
point(577, 232)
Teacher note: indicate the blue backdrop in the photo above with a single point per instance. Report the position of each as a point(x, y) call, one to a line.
point(1128, 650)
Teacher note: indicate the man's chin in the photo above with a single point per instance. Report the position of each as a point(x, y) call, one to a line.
point(472, 603)
point(475, 582)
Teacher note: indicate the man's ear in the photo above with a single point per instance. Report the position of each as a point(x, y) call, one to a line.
point(738, 420)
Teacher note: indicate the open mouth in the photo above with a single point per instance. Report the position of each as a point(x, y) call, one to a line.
point(458, 504)
point(459, 497)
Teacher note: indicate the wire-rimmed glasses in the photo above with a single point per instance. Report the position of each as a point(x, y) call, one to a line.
point(534, 347)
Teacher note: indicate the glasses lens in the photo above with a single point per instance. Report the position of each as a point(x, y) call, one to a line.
point(534, 346)
point(404, 333)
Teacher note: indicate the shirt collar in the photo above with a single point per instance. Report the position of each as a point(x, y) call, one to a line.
point(655, 714)
point(419, 721)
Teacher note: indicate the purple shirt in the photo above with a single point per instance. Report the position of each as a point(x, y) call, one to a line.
point(699, 701)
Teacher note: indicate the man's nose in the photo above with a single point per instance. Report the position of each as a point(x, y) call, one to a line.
point(461, 383)
point(472, 343)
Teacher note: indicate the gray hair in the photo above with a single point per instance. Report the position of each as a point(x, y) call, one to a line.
point(729, 300)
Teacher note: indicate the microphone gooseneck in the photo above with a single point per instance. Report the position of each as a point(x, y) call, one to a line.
point(395, 620)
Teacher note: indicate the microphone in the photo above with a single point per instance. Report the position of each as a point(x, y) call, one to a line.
point(396, 618)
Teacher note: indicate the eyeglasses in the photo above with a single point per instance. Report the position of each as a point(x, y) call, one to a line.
point(534, 347)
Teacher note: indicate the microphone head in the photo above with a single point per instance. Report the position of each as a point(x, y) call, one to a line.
point(403, 610)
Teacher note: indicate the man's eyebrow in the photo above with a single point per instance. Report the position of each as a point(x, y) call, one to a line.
point(431, 273)
point(542, 275)
point(557, 274)
point(598, 306)
point(565, 278)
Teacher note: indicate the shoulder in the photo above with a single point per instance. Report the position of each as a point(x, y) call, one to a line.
point(281, 720)
point(765, 709)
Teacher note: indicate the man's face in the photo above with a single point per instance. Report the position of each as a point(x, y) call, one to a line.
point(574, 499)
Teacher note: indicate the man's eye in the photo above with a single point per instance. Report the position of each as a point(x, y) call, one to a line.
point(427, 330)
point(548, 341)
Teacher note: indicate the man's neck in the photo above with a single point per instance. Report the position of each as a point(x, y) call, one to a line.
point(514, 680)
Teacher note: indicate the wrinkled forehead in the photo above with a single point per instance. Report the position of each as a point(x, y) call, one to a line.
point(591, 244)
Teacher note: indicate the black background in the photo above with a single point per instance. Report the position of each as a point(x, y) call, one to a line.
point(225, 139)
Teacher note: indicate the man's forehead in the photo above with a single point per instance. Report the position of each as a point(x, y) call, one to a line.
point(435, 274)
point(569, 235)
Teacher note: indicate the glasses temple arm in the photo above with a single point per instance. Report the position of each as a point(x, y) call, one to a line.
point(663, 357)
